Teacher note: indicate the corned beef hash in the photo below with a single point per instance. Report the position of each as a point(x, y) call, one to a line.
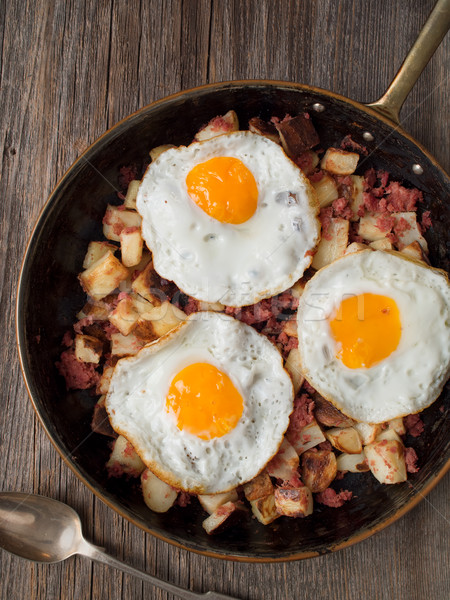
point(260, 321)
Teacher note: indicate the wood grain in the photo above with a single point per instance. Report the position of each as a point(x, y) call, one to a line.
point(70, 70)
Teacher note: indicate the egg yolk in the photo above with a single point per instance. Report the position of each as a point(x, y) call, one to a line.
point(205, 401)
point(367, 329)
point(224, 189)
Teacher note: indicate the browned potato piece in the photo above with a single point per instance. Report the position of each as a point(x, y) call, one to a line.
point(88, 349)
point(103, 276)
point(357, 199)
point(355, 247)
point(383, 244)
point(130, 198)
point(339, 162)
point(297, 135)
point(265, 509)
point(211, 502)
point(368, 228)
point(354, 463)
point(100, 420)
point(164, 317)
point(117, 218)
point(293, 367)
point(326, 191)
point(293, 502)
point(367, 432)
point(329, 415)
point(95, 251)
point(413, 234)
point(124, 316)
point(125, 345)
point(397, 425)
point(218, 126)
point(386, 460)
point(284, 464)
point(415, 251)
point(225, 516)
point(330, 249)
point(311, 435)
point(158, 150)
point(268, 130)
point(259, 487)
point(131, 245)
point(150, 286)
point(105, 380)
point(145, 331)
point(158, 495)
point(318, 469)
point(344, 439)
point(124, 459)
point(97, 310)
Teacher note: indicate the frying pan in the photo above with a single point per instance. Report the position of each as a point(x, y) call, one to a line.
point(49, 297)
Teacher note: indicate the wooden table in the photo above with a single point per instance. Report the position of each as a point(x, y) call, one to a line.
point(70, 70)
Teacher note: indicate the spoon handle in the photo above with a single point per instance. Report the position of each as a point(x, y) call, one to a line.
point(99, 555)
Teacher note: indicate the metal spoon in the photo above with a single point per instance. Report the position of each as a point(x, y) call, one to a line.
point(45, 530)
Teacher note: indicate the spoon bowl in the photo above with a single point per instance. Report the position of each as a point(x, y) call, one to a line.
point(45, 530)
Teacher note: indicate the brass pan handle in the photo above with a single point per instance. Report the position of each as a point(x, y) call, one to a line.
point(431, 35)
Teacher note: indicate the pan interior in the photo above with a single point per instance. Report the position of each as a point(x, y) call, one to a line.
point(50, 297)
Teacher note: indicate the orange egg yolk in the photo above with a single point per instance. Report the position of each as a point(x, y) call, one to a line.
point(204, 401)
point(367, 329)
point(224, 188)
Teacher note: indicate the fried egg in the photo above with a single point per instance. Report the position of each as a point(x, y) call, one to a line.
point(231, 219)
point(206, 406)
point(374, 334)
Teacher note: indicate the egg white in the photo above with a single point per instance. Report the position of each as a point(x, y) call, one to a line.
point(136, 404)
point(413, 376)
point(220, 262)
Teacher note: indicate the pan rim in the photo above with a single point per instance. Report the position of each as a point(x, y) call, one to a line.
point(20, 326)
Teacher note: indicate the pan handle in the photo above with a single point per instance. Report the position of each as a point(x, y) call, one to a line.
point(431, 35)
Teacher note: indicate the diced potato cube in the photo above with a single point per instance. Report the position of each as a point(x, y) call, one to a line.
point(88, 348)
point(259, 487)
point(265, 509)
point(95, 251)
point(369, 230)
point(327, 414)
point(284, 464)
point(389, 435)
point(98, 311)
point(290, 326)
point(311, 435)
point(355, 247)
point(334, 247)
point(158, 150)
point(125, 345)
point(367, 432)
point(397, 425)
point(211, 502)
point(357, 199)
point(157, 494)
point(146, 285)
point(354, 463)
point(339, 162)
point(212, 306)
point(344, 439)
point(117, 218)
point(218, 126)
point(318, 469)
point(131, 245)
point(415, 251)
point(130, 198)
point(326, 190)
point(164, 317)
point(103, 276)
point(225, 516)
point(124, 459)
point(264, 128)
point(386, 460)
point(145, 331)
point(413, 234)
point(140, 304)
point(293, 367)
point(383, 244)
point(298, 287)
point(294, 502)
point(105, 380)
point(124, 316)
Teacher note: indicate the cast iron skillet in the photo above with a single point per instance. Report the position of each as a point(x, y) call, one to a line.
point(49, 297)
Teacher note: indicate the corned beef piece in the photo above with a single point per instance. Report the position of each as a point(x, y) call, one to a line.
point(300, 416)
point(126, 174)
point(348, 143)
point(78, 375)
point(183, 499)
point(402, 199)
point(411, 460)
point(426, 221)
point(414, 425)
point(326, 214)
point(341, 209)
point(331, 498)
point(67, 339)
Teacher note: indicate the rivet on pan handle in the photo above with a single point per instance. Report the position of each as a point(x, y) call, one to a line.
point(422, 50)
